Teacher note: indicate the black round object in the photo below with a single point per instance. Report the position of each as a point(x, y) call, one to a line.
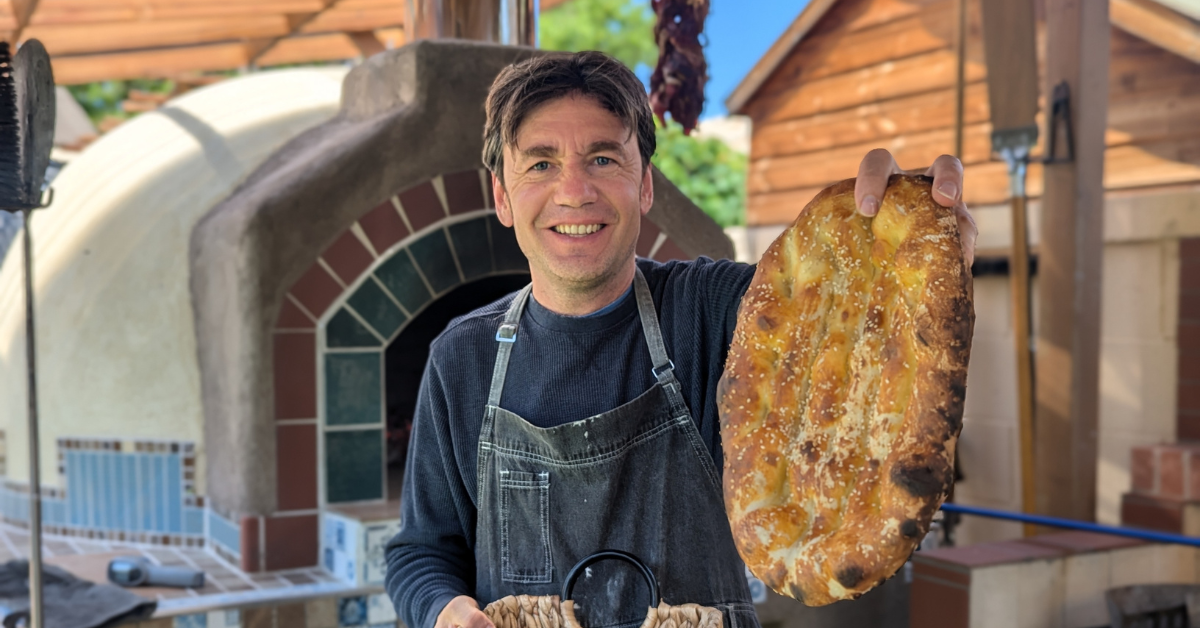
point(35, 114)
point(573, 575)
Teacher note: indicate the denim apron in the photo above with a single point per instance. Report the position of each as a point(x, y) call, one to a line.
point(636, 478)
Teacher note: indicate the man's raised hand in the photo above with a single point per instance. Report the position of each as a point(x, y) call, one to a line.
point(947, 173)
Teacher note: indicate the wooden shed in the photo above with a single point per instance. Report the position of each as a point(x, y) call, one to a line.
point(851, 75)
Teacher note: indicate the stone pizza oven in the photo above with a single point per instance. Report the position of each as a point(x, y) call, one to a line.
point(318, 285)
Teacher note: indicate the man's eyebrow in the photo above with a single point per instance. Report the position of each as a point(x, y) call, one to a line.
point(539, 151)
point(606, 146)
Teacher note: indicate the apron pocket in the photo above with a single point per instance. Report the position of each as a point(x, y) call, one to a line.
point(525, 527)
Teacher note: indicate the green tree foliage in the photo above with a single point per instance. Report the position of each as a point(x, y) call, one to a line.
point(621, 28)
point(102, 99)
point(707, 171)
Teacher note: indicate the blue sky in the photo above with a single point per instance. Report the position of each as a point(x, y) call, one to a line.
point(739, 33)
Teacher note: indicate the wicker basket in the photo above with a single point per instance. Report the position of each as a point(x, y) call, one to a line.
point(553, 611)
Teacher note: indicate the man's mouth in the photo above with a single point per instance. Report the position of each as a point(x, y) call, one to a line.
point(578, 230)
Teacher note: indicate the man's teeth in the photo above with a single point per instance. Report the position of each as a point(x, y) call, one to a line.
point(577, 229)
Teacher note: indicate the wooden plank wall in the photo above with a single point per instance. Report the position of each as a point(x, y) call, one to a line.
point(880, 73)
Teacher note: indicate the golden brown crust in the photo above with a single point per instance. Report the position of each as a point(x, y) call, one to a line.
point(842, 397)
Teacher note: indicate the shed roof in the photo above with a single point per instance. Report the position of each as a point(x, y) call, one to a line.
point(1169, 24)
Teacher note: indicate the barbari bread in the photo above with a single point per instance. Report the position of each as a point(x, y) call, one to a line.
point(842, 397)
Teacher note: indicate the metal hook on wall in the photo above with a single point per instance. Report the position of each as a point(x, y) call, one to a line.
point(1060, 116)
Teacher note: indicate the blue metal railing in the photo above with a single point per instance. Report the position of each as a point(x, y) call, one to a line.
point(1055, 522)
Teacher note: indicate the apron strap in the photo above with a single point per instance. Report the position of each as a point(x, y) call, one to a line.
point(664, 368)
point(505, 337)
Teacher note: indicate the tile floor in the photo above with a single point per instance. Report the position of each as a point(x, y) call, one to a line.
point(89, 559)
point(230, 598)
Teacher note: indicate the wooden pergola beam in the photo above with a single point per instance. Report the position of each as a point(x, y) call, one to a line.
point(366, 42)
point(171, 62)
point(156, 63)
point(263, 29)
point(85, 38)
point(294, 25)
point(93, 40)
point(327, 47)
point(22, 10)
point(102, 13)
point(1158, 25)
point(335, 19)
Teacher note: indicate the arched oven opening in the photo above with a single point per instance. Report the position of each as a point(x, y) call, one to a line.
point(404, 361)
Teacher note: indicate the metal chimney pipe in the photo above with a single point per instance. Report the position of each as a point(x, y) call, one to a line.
point(511, 22)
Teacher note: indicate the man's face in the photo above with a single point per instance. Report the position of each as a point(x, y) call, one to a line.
point(574, 190)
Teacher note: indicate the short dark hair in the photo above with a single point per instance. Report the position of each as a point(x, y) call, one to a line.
point(522, 87)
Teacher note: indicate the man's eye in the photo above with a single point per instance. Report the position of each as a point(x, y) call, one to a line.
point(603, 161)
point(540, 166)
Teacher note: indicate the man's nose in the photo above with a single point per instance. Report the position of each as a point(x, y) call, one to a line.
point(574, 188)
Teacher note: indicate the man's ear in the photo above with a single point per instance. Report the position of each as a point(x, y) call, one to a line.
point(503, 211)
point(647, 192)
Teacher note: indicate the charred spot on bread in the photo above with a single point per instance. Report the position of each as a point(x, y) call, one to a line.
point(910, 528)
point(850, 575)
point(919, 479)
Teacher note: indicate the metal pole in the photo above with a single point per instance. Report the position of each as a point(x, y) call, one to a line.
point(1070, 524)
point(510, 22)
point(520, 23)
point(35, 484)
point(1016, 155)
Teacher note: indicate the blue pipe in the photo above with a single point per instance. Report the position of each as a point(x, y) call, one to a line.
point(1055, 522)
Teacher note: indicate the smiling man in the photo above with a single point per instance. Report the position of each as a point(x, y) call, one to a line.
point(580, 414)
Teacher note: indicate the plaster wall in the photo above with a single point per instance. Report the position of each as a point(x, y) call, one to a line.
point(115, 334)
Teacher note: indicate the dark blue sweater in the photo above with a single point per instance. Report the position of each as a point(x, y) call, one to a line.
point(562, 369)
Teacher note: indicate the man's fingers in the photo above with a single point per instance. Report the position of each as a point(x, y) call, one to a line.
point(463, 612)
point(872, 180)
point(967, 232)
point(947, 173)
point(476, 619)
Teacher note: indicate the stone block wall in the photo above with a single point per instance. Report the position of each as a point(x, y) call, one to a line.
point(1053, 580)
point(1165, 478)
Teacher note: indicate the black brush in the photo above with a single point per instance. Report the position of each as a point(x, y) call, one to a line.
point(10, 135)
point(26, 124)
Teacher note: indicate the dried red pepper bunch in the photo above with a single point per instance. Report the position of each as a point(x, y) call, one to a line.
point(677, 84)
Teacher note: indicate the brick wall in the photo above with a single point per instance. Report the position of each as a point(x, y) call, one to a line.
point(1166, 488)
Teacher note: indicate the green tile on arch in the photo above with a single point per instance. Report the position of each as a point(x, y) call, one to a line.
point(354, 465)
point(505, 249)
point(433, 254)
point(471, 243)
point(399, 275)
point(376, 308)
point(343, 330)
point(353, 388)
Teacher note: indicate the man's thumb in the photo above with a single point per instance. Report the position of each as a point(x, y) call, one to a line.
point(478, 619)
